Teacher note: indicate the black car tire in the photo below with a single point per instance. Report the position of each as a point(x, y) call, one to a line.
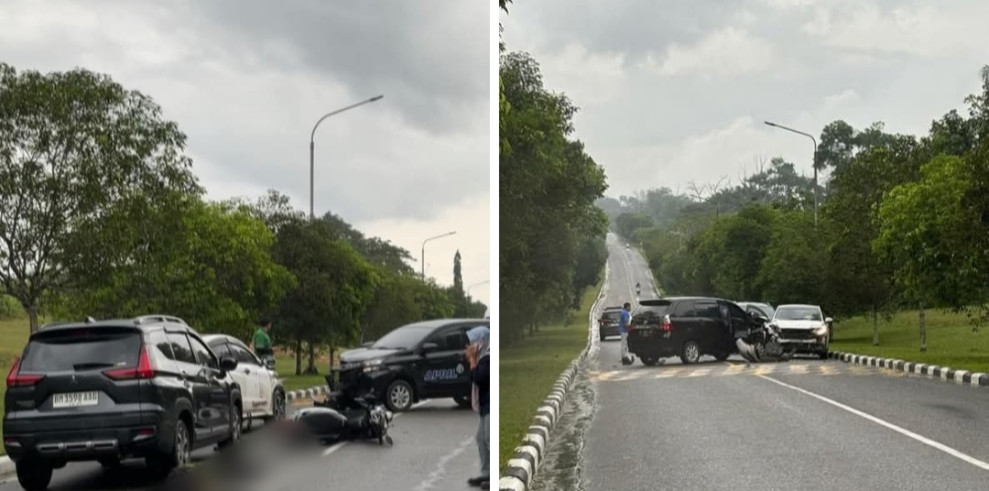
point(690, 353)
point(34, 474)
point(721, 356)
point(602, 336)
point(649, 361)
point(463, 401)
point(399, 396)
point(277, 406)
point(160, 464)
point(236, 424)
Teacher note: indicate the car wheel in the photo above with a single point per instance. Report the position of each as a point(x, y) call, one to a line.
point(601, 336)
point(398, 396)
point(650, 362)
point(236, 423)
point(463, 401)
point(721, 356)
point(691, 353)
point(160, 465)
point(34, 474)
point(277, 406)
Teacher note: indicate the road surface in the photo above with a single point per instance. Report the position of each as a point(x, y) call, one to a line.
point(434, 450)
point(807, 424)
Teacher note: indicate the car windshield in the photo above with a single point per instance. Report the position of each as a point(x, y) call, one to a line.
point(82, 349)
point(402, 338)
point(798, 314)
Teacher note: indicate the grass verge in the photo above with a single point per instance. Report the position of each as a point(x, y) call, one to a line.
point(528, 370)
point(950, 340)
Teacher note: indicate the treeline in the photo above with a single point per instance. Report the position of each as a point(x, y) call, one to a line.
point(551, 234)
point(101, 215)
point(903, 222)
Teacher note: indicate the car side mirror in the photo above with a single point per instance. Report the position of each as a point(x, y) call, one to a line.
point(828, 321)
point(228, 364)
point(269, 363)
point(429, 347)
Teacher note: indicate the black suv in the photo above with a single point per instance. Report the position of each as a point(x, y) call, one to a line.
point(109, 390)
point(688, 327)
point(424, 360)
point(608, 323)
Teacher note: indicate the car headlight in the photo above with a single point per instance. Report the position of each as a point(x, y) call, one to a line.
point(822, 330)
point(371, 365)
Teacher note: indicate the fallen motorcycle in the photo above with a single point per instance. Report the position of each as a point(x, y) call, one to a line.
point(343, 416)
point(763, 345)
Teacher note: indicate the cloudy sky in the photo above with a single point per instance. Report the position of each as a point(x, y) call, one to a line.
point(246, 81)
point(676, 91)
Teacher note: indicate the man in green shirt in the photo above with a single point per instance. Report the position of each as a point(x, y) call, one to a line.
point(262, 341)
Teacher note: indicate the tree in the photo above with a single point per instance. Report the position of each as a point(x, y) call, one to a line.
point(207, 263)
point(73, 145)
point(335, 287)
point(795, 260)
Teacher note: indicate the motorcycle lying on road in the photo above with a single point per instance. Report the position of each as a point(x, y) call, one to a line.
point(345, 415)
point(763, 345)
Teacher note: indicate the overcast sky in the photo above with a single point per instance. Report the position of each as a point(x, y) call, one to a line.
point(246, 81)
point(677, 91)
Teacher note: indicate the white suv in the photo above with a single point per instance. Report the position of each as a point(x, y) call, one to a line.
point(261, 388)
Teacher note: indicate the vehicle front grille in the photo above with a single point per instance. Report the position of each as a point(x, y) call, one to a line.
point(797, 334)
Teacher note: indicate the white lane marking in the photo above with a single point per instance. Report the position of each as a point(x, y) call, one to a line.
point(903, 431)
point(440, 470)
point(339, 445)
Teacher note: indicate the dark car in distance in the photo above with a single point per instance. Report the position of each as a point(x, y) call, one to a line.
point(147, 387)
point(687, 327)
point(415, 362)
point(608, 323)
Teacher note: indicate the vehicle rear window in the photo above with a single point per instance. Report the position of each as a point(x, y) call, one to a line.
point(649, 314)
point(82, 349)
point(612, 315)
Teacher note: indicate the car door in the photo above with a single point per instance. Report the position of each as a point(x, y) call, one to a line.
point(710, 327)
point(250, 367)
point(188, 367)
point(445, 367)
point(241, 375)
point(739, 325)
point(219, 392)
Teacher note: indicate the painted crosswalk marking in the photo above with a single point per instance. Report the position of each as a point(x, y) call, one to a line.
point(629, 374)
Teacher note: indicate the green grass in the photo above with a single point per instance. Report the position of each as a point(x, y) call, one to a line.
point(529, 369)
point(950, 340)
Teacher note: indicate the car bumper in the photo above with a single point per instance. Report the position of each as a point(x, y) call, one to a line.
point(806, 345)
point(121, 436)
point(609, 330)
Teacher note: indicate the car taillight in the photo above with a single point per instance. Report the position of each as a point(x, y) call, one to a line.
point(145, 369)
point(667, 325)
point(15, 379)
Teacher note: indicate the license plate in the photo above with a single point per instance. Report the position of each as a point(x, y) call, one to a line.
point(76, 399)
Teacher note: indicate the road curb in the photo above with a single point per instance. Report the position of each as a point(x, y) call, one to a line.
point(307, 393)
point(7, 468)
point(962, 377)
point(522, 467)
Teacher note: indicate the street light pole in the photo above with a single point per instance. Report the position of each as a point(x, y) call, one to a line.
point(813, 162)
point(312, 146)
point(424, 250)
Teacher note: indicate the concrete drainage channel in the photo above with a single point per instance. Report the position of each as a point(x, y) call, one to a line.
point(8, 469)
point(524, 464)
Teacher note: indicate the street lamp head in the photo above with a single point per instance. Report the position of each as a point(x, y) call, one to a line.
point(770, 123)
point(375, 98)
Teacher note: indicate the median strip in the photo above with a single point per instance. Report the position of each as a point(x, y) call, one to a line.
point(962, 377)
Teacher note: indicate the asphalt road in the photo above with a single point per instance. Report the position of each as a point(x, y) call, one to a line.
point(806, 424)
point(434, 449)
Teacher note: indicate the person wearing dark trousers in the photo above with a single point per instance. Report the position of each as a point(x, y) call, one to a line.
point(480, 371)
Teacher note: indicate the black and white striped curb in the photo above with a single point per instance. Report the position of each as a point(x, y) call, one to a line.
point(307, 393)
point(522, 467)
point(931, 371)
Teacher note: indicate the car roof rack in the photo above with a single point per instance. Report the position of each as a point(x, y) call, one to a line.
point(144, 319)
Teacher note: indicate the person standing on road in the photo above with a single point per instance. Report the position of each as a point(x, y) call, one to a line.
point(262, 341)
point(478, 359)
point(623, 322)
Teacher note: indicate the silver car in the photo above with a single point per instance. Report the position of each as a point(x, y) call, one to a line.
point(803, 328)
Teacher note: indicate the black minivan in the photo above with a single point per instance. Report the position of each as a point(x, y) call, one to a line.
point(687, 327)
point(415, 362)
point(109, 390)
